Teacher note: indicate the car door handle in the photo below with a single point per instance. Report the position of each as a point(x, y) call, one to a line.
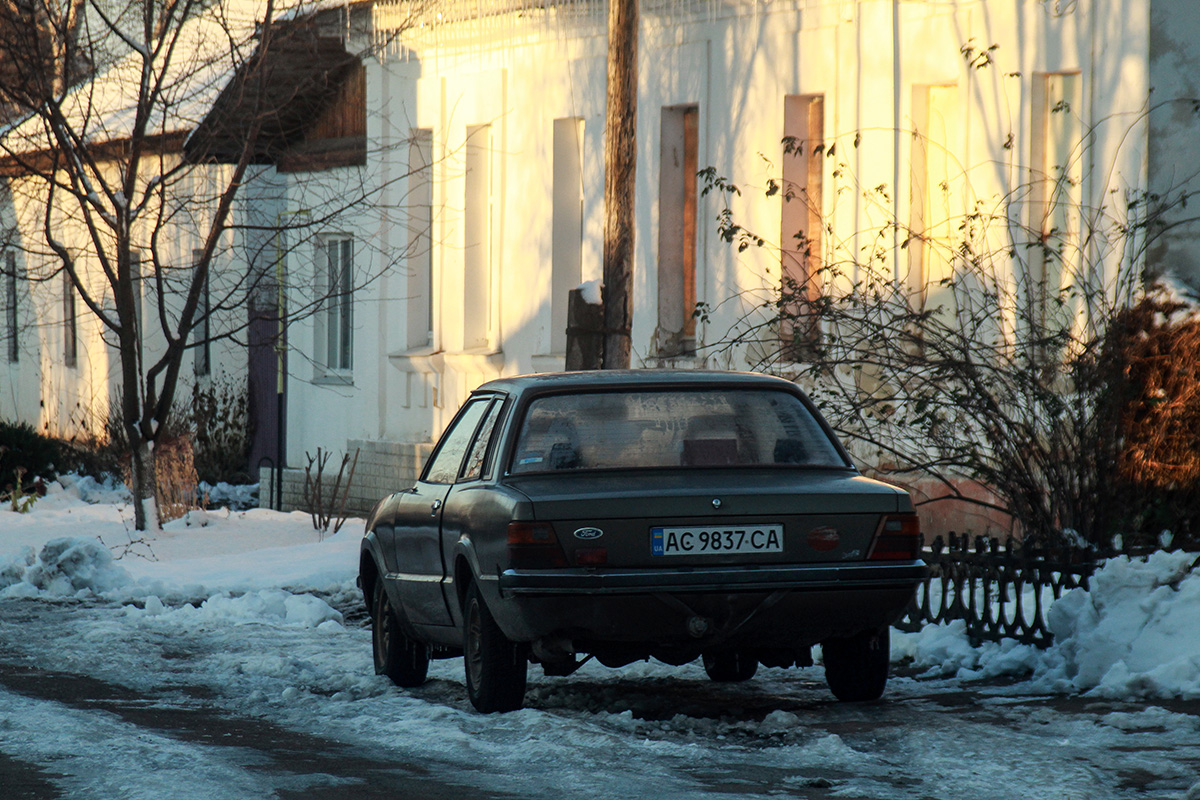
point(433, 509)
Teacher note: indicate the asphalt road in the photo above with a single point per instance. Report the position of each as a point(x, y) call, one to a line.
point(926, 739)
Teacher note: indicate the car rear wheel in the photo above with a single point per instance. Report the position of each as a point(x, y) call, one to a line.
point(496, 667)
point(397, 655)
point(731, 667)
point(856, 668)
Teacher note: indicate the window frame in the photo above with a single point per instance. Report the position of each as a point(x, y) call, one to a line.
point(678, 252)
point(518, 417)
point(802, 168)
point(334, 318)
point(486, 402)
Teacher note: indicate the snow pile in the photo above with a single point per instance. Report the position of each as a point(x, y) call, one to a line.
point(592, 292)
point(64, 567)
point(944, 650)
point(272, 606)
point(90, 490)
point(73, 489)
point(1134, 634)
point(235, 496)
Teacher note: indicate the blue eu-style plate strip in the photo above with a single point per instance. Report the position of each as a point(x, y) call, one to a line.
point(656, 542)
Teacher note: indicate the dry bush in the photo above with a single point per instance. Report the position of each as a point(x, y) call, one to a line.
point(321, 499)
point(175, 473)
point(175, 470)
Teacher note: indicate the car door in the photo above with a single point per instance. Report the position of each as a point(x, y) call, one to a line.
point(470, 506)
point(420, 570)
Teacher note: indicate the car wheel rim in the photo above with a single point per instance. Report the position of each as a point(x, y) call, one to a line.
point(474, 645)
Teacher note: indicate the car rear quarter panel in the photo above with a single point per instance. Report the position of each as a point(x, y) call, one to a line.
point(475, 532)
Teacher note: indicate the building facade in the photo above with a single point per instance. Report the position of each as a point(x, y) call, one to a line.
point(847, 126)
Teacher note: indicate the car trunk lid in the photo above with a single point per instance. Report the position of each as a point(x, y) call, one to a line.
point(683, 518)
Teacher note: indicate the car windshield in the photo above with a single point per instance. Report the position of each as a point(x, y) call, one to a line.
point(680, 428)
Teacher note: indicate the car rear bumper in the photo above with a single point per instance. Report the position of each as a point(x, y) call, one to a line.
point(763, 607)
point(863, 575)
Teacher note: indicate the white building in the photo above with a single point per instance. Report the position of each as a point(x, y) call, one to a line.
point(482, 135)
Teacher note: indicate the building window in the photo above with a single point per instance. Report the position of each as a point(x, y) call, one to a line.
point(335, 318)
point(70, 323)
point(477, 244)
point(420, 239)
point(801, 219)
point(11, 318)
point(567, 246)
point(202, 331)
point(1057, 184)
point(935, 200)
point(676, 334)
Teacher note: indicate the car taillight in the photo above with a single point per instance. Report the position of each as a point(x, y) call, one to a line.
point(899, 538)
point(533, 545)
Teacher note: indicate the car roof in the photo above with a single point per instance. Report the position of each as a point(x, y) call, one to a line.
point(633, 379)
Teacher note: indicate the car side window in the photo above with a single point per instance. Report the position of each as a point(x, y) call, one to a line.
point(454, 444)
point(473, 469)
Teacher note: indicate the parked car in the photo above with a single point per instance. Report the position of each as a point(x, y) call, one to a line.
point(628, 515)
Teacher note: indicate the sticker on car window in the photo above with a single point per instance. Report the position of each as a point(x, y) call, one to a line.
point(530, 458)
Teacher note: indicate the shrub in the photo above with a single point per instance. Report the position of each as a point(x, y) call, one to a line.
point(21, 446)
point(1150, 363)
point(220, 421)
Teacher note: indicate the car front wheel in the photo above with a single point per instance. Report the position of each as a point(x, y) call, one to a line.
point(397, 655)
point(856, 668)
point(495, 667)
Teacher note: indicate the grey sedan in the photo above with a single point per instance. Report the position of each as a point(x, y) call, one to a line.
point(629, 515)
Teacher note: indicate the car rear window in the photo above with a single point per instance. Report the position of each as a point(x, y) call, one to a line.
point(712, 428)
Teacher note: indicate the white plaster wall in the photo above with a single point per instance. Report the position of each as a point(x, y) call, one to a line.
point(1175, 130)
point(737, 69)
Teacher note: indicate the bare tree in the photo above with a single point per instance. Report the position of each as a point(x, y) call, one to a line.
point(138, 123)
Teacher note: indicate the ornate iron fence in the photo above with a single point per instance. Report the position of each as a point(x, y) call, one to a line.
point(1002, 591)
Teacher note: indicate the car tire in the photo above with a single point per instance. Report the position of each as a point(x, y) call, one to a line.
point(856, 668)
point(730, 667)
point(397, 655)
point(495, 667)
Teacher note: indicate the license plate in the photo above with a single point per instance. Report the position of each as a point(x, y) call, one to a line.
point(703, 541)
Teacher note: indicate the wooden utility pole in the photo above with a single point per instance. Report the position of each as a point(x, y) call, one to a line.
point(620, 166)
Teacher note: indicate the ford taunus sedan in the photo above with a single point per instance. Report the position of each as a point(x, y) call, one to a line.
point(623, 516)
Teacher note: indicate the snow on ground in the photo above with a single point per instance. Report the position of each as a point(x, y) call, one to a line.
point(1133, 635)
point(256, 600)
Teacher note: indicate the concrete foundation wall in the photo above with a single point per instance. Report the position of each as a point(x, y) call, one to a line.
point(382, 468)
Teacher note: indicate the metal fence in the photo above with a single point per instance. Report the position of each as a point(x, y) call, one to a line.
point(1001, 590)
